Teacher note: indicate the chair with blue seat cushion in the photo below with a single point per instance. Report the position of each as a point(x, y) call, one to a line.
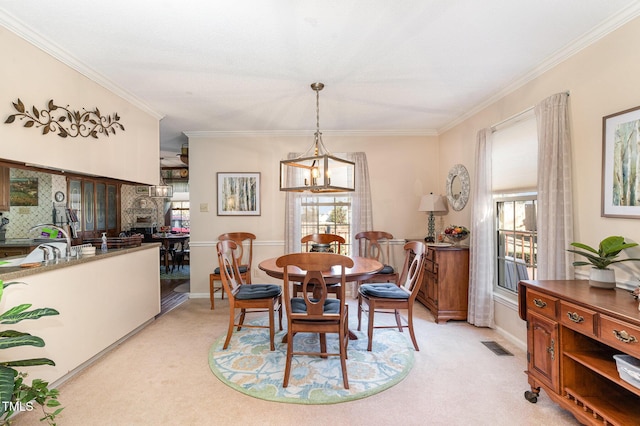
point(315, 312)
point(375, 245)
point(249, 298)
point(393, 297)
point(244, 263)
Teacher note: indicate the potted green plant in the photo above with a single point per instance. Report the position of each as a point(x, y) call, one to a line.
point(15, 393)
point(607, 253)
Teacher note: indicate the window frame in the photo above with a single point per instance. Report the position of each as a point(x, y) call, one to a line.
point(304, 227)
point(502, 198)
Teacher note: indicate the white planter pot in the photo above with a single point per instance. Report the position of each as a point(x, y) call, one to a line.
point(602, 278)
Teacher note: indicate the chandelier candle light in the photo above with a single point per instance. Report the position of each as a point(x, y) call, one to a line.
point(432, 204)
point(162, 190)
point(317, 170)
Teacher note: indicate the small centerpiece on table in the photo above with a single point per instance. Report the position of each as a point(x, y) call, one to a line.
point(456, 233)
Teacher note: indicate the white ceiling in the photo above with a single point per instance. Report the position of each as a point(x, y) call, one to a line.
point(410, 66)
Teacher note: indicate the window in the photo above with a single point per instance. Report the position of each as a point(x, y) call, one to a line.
point(514, 172)
point(180, 216)
point(327, 214)
point(516, 240)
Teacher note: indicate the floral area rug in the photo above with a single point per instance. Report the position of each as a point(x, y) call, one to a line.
point(250, 367)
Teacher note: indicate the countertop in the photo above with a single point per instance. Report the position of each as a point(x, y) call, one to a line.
point(12, 273)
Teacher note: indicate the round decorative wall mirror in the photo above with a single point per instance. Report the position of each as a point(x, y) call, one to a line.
point(458, 187)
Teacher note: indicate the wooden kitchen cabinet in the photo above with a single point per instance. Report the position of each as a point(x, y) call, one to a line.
point(5, 202)
point(445, 283)
point(573, 331)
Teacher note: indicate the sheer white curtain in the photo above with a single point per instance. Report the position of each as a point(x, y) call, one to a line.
point(482, 246)
point(361, 212)
point(555, 198)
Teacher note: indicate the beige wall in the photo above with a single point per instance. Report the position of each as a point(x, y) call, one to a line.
point(35, 77)
point(401, 168)
point(602, 80)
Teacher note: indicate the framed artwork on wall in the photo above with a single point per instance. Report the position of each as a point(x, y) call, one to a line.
point(23, 191)
point(238, 194)
point(621, 164)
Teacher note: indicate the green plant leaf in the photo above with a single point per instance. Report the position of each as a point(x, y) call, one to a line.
point(584, 247)
point(28, 362)
point(23, 340)
point(7, 376)
point(14, 317)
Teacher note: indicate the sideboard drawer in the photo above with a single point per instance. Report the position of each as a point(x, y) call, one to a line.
point(577, 318)
point(543, 304)
point(620, 335)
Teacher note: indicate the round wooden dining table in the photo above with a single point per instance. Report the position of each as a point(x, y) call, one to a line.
point(362, 269)
point(167, 241)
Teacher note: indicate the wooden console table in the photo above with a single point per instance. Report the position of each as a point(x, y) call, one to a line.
point(573, 331)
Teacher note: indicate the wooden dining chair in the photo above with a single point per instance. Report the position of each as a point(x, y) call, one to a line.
point(245, 258)
point(314, 312)
point(334, 241)
point(375, 245)
point(249, 298)
point(392, 297)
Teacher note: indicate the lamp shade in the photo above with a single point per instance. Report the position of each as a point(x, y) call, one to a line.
point(432, 203)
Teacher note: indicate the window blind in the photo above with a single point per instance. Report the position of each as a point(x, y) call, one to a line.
point(515, 155)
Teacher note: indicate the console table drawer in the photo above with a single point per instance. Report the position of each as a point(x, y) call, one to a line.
point(577, 318)
point(542, 304)
point(620, 335)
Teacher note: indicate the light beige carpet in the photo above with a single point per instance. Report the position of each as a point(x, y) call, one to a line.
point(161, 376)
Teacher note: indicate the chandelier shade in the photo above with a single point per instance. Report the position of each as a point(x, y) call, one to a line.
point(162, 190)
point(317, 170)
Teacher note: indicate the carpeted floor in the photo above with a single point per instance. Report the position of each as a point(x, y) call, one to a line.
point(161, 376)
point(249, 366)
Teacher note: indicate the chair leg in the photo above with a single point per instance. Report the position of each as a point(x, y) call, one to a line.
point(372, 310)
point(359, 309)
point(271, 327)
point(280, 311)
point(323, 344)
point(287, 367)
point(242, 315)
point(396, 313)
point(230, 330)
point(211, 291)
point(343, 356)
point(410, 325)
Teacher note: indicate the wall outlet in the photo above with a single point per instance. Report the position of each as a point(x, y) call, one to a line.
point(204, 207)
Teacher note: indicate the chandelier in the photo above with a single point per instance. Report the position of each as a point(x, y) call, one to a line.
point(163, 190)
point(317, 170)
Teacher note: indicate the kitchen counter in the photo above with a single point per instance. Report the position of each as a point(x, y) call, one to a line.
point(13, 273)
point(102, 299)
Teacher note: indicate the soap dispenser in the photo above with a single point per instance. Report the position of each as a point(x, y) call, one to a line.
point(103, 247)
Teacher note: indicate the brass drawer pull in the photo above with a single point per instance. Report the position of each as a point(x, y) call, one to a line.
point(552, 350)
point(573, 316)
point(624, 337)
point(539, 303)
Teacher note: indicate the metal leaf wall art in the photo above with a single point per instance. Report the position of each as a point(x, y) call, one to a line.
point(66, 122)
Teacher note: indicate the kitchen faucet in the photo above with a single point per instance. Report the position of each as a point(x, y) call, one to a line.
point(64, 233)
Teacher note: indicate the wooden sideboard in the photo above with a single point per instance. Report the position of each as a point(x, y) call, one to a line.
point(573, 331)
point(445, 283)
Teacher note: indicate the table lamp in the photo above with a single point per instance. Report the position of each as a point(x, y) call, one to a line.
point(432, 204)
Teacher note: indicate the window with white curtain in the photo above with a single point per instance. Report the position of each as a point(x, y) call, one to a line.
point(514, 181)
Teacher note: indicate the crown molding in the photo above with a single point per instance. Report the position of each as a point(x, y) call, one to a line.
point(17, 27)
point(561, 55)
point(213, 134)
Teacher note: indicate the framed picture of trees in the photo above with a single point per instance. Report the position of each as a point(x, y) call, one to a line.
point(621, 164)
point(238, 194)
